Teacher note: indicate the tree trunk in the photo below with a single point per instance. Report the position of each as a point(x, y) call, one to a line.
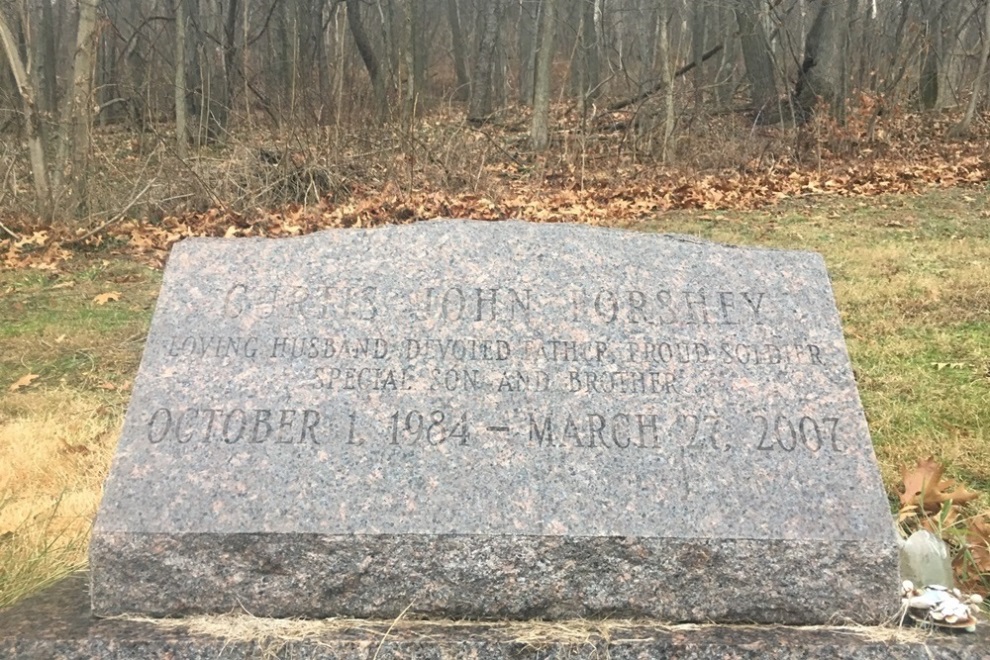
point(667, 78)
point(181, 123)
point(367, 54)
point(699, 15)
point(229, 64)
point(32, 122)
point(481, 106)
point(460, 52)
point(725, 77)
point(193, 73)
point(540, 131)
point(411, 33)
point(529, 16)
point(646, 37)
point(322, 56)
point(980, 81)
point(47, 62)
point(419, 49)
point(756, 53)
point(81, 111)
point(587, 62)
point(928, 81)
point(822, 71)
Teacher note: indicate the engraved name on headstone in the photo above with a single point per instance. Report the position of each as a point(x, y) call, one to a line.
point(472, 419)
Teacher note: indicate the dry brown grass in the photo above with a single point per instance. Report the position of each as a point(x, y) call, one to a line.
point(274, 634)
point(55, 449)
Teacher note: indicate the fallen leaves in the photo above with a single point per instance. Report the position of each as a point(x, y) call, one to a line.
point(608, 182)
point(924, 487)
point(104, 298)
point(22, 382)
point(977, 549)
point(928, 501)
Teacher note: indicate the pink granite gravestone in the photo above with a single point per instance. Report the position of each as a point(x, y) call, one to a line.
point(495, 420)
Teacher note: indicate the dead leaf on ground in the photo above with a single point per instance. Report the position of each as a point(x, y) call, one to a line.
point(68, 448)
point(104, 298)
point(923, 486)
point(949, 365)
point(978, 540)
point(23, 381)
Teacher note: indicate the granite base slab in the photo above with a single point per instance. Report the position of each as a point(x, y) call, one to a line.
point(58, 623)
point(478, 577)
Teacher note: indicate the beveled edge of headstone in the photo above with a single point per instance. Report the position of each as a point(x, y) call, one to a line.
point(478, 577)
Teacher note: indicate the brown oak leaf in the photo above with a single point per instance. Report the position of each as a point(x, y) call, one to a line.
point(924, 487)
point(104, 298)
point(23, 381)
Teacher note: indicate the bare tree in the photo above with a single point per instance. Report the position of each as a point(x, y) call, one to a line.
point(367, 53)
point(482, 103)
point(587, 67)
point(757, 53)
point(529, 17)
point(980, 81)
point(81, 108)
point(181, 123)
point(460, 51)
point(666, 78)
point(821, 74)
point(32, 120)
point(540, 130)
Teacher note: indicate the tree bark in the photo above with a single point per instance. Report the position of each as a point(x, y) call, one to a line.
point(181, 123)
point(667, 78)
point(229, 64)
point(481, 105)
point(529, 16)
point(822, 70)
point(460, 52)
point(81, 111)
point(699, 15)
point(540, 130)
point(928, 81)
point(367, 54)
point(980, 81)
point(409, 34)
point(32, 122)
point(756, 53)
point(725, 76)
point(588, 73)
point(47, 62)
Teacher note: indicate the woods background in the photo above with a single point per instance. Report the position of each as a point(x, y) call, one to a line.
point(155, 108)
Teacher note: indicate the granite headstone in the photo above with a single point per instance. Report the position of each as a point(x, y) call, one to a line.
point(495, 420)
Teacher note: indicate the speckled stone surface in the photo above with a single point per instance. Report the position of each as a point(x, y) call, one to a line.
point(58, 624)
point(473, 419)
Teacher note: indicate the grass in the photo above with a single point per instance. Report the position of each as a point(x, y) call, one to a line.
point(911, 275)
point(57, 434)
point(55, 449)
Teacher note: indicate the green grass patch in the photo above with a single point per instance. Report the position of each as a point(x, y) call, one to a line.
point(53, 326)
